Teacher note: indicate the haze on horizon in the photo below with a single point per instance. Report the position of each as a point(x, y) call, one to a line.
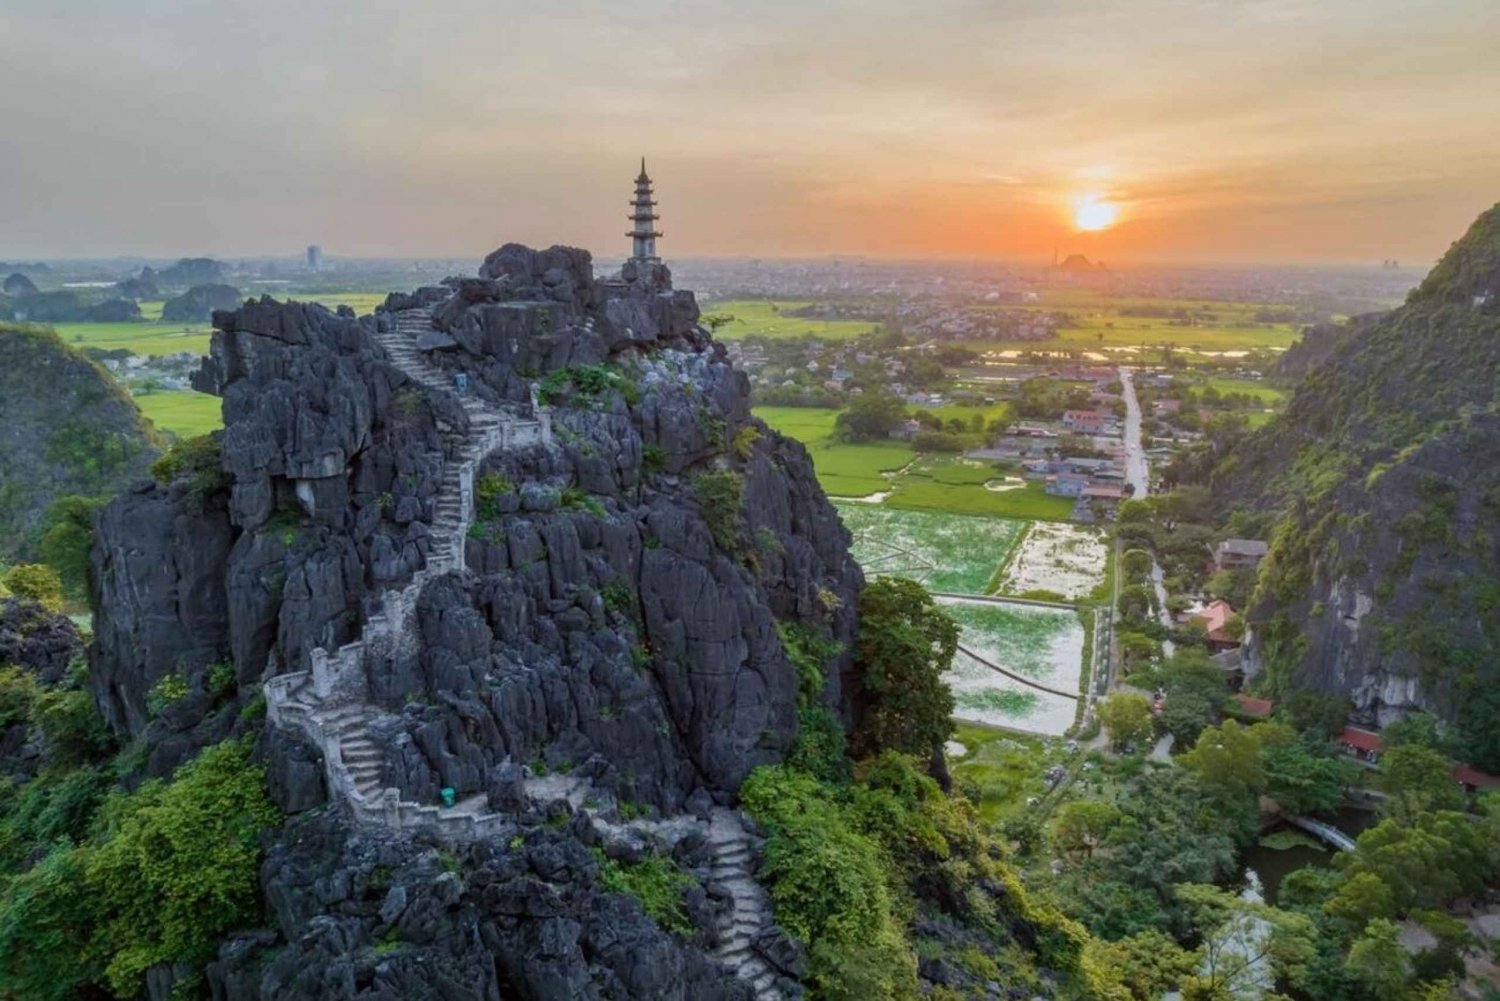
point(1221, 131)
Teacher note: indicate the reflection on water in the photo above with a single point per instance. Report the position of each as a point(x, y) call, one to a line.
point(1272, 865)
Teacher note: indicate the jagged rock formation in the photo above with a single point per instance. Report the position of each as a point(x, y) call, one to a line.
point(1380, 583)
point(69, 429)
point(577, 622)
point(41, 644)
point(198, 303)
point(40, 641)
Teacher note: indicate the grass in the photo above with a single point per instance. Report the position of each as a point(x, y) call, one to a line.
point(948, 483)
point(772, 319)
point(1015, 637)
point(141, 338)
point(149, 336)
point(1098, 323)
point(186, 414)
point(1271, 396)
point(943, 551)
point(843, 470)
point(1005, 768)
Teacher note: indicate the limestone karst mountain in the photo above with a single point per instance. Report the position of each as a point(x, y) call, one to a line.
point(69, 429)
point(557, 590)
point(1380, 482)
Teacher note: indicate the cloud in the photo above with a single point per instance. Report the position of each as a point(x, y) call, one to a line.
point(954, 126)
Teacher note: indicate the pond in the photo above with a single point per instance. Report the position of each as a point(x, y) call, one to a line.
point(1272, 865)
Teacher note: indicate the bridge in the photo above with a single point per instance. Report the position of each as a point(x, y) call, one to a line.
point(1326, 832)
point(1029, 683)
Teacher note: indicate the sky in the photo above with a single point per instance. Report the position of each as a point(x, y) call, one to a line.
point(1268, 131)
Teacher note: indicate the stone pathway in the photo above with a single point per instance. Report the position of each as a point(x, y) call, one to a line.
point(329, 702)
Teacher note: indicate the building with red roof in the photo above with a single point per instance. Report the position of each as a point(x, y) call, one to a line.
point(1215, 618)
point(1251, 706)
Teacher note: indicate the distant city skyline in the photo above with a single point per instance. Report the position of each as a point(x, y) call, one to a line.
point(1266, 131)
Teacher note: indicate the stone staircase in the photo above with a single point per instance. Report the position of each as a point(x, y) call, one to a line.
point(329, 702)
point(751, 914)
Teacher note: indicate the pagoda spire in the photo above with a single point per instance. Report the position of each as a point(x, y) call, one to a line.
point(644, 233)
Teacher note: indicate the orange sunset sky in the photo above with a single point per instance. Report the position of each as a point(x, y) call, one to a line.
point(1267, 130)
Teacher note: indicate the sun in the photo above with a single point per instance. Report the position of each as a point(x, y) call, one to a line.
point(1092, 213)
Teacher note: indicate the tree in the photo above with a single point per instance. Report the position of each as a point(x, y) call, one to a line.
point(66, 540)
point(1419, 728)
point(1304, 782)
point(1416, 780)
point(1377, 960)
point(1135, 562)
point(872, 414)
point(1187, 713)
point(1360, 899)
point(1127, 717)
point(1081, 826)
point(1135, 602)
point(1228, 757)
point(904, 645)
point(36, 581)
point(1247, 945)
point(1315, 712)
point(1148, 964)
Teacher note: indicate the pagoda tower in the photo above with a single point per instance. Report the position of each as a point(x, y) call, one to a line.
point(643, 236)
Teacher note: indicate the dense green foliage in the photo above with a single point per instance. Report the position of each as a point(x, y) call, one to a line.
point(905, 644)
point(36, 581)
point(131, 879)
point(198, 460)
point(721, 503)
point(71, 430)
point(67, 536)
point(654, 880)
point(1381, 477)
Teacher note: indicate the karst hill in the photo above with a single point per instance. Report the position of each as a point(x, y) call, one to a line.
point(1381, 486)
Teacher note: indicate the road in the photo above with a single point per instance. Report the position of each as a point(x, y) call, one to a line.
point(1138, 475)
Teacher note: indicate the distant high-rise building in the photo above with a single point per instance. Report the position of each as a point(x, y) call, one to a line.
point(643, 235)
point(314, 257)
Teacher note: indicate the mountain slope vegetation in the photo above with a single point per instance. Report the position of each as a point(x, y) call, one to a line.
point(1379, 488)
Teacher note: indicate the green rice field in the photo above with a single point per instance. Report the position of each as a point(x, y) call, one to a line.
point(1043, 644)
point(772, 319)
point(946, 552)
point(843, 470)
point(185, 414)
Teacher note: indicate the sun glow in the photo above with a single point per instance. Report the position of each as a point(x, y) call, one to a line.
point(1092, 213)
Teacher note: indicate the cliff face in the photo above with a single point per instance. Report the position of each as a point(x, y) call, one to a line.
point(613, 621)
point(1381, 579)
point(68, 428)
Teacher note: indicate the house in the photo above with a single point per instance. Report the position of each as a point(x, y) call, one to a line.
point(907, 429)
point(1160, 407)
point(1473, 780)
point(1086, 421)
point(1233, 553)
point(1253, 707)
point(1108, 493)
point(1066, 484)
point(1365, 745)
point(1215, 619)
